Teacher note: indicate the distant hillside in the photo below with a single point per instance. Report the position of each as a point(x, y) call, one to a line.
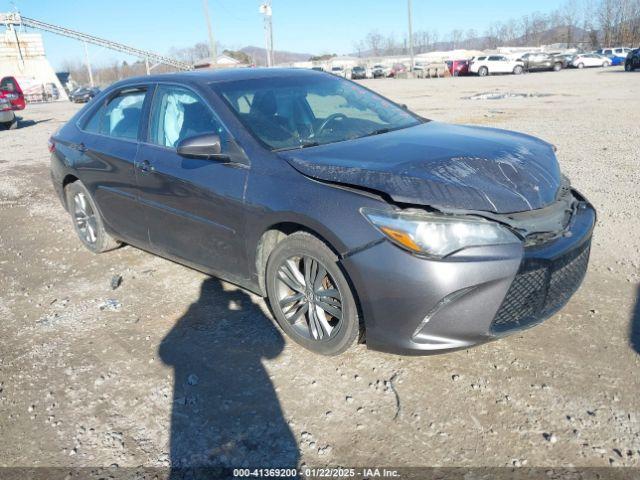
point(259, 55)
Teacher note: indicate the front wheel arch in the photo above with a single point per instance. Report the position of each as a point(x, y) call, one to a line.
point(273, 235)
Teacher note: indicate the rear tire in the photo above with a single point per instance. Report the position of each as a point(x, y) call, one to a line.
point(483, 72)
point(517, 70)
point(605, 64)
point(310, 296)
point(557, 67)
point(86, 218)
point(581, 66)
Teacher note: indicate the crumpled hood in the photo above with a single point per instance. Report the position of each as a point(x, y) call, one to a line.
point(442, 165)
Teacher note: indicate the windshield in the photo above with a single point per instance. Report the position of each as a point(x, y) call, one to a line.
point(308, 110)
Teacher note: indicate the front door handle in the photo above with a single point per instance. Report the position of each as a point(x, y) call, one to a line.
point(145, 166)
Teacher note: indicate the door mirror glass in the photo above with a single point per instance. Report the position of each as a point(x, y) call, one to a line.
point(207, 146)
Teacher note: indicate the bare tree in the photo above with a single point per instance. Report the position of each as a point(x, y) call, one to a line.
point(375, 41)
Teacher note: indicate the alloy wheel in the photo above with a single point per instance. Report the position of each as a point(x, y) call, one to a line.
point(85, 218)
point(309, 298)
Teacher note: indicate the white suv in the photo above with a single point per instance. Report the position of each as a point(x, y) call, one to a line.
point(616, 51)
point(484, 66)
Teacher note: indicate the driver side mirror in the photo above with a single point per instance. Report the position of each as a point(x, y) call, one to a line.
point(207, 146)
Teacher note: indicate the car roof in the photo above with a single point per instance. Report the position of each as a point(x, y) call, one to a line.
point(223, 75)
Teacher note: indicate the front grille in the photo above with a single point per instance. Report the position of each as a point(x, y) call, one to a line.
point(540, 288)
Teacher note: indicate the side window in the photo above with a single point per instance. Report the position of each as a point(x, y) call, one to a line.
point(177, 114)
point(120, 117)
point(93, 125)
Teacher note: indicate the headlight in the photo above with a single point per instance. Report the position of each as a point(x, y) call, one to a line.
point(438, 235)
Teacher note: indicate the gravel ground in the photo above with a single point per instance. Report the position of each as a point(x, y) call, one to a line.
point(173, 367)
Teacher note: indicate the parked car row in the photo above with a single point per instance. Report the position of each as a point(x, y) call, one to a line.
point(497, 63)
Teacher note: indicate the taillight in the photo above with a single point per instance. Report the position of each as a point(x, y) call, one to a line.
point(52, 145)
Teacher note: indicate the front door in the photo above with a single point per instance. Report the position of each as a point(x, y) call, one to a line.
point(194, 207)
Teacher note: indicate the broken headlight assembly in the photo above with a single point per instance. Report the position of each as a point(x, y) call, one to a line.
point(437, 235)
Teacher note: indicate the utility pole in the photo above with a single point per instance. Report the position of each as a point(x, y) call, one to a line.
point(212, 41)
point(266, 11)
point(86, 56)
point(410, 34)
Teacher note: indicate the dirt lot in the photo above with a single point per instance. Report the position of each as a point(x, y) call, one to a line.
point(174, 367)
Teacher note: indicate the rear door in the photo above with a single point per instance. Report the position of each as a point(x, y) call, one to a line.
point(108, 151)
point(194, 207)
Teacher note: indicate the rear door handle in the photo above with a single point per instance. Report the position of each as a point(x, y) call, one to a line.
point(81, 147)
point(145, 166)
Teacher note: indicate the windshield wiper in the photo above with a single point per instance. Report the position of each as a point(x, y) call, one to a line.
point(298, 147)
point(379, 131)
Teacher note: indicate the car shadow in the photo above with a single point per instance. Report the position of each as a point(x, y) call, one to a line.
point(225, 412)
point(634, 336)
point(30, 123)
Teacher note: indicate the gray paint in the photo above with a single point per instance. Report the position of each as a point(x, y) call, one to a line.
point(211, 214)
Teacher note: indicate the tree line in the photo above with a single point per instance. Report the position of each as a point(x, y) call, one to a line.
point(586, 24)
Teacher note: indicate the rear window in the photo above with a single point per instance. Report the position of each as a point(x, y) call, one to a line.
point(120, 116)
point(9, 84)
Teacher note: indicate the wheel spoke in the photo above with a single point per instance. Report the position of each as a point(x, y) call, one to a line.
point(308, 264)
point(287, 274)
point(291, 299)
point(313, 327)
point(333, 311)
point(319, 277)
point(330, 292)
point(324, 323)
point(295, 271)
point(293, 318)
point(332, 301)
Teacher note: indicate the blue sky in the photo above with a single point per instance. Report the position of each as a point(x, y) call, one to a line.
point(323, 26)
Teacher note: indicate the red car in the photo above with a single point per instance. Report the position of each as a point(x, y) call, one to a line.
point(458, 67)
point(11, 99)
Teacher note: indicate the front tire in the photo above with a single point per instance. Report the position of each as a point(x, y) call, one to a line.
point(87, 221)
point(310, 295)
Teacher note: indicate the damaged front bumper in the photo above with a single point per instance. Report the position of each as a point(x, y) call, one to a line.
point(413, 305)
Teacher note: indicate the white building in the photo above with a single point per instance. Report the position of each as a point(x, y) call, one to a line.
point(22, 56)
point(222, 61)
